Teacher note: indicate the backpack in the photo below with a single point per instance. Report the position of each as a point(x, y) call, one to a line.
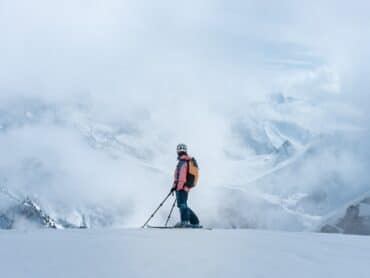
point(193, 173)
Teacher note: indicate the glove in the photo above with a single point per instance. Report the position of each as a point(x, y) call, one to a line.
point(173, 189)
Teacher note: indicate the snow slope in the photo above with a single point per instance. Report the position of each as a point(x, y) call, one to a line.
point(181, 253)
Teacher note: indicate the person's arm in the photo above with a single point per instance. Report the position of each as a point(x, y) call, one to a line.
point(174, 185)
point(182, 175)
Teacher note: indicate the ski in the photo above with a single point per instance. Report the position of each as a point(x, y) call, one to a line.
point(173, 227)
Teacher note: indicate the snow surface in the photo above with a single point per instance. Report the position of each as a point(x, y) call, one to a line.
point(181, 253)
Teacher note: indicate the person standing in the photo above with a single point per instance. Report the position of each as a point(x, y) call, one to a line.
point(183, 182)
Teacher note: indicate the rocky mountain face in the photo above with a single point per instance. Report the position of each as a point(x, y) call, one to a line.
point(29, 212)
point(355, 220)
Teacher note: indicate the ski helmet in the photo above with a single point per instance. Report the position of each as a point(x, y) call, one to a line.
point(181, 148)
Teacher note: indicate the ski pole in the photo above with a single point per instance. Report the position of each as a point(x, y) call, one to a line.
point(169, 216)
point(160, 205)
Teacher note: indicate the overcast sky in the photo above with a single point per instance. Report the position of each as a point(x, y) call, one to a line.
point(144, 48)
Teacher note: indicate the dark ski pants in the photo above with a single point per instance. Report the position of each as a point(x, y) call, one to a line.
point(186, 214)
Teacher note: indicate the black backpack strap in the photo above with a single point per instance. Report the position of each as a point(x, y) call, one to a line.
point(187, 170)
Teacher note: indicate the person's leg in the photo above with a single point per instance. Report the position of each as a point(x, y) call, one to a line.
point(193, 218)
point(182, 197)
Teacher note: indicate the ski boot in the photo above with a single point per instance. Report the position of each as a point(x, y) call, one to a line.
point(183, 224)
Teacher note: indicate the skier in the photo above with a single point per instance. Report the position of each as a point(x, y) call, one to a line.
point(182, 184)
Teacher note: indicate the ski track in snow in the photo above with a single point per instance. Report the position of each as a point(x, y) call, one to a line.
point(181, 253)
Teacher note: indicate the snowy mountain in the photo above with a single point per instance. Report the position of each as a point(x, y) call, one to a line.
point(19, 211)
point(86, 169)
